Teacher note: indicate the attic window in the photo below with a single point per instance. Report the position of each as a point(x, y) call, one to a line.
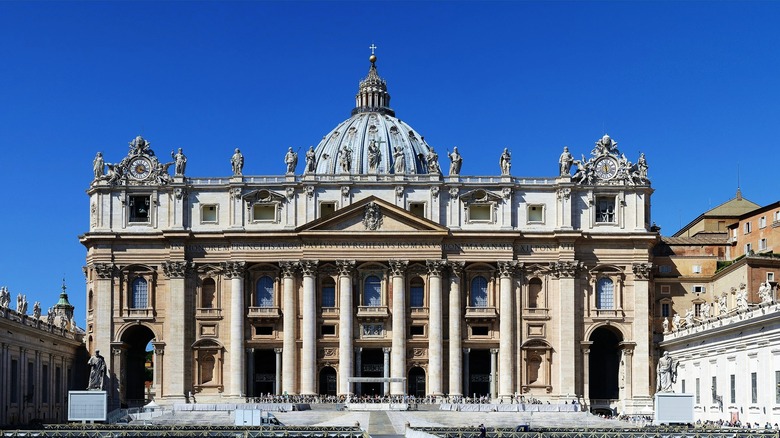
point(536, 213)
point(139, 209)
point(417, 208)
point(264, 212)
point(479, 213)
point(208, 214)
point(327, 209)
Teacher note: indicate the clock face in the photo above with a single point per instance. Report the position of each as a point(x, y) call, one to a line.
point(606, 168)
point(140, 168)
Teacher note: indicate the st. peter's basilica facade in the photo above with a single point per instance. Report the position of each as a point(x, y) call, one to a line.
point(369, 260)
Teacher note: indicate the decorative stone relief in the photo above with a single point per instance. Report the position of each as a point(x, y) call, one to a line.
point(345, 191)
point(345, 267)
point(507, 268)
point(454, 191)
point(399, 191)
point(235, 192)
point(456, 268)
point(309, 190)
point(373, 329)
point(372, 216)
point(608, 166)
point(177, 269)
point(179, 192)
point(93, 214)
point(234, 269)
point(309, 267)
point(398, 267)
point(435, 191)
point(563, 193)
point(435, 267)
point(139, 167)
point(104, 270)
point(329, 352)
point(288, 268)
point(290, 192)
point(506, 192)
point(642, 271)
point(567, 269)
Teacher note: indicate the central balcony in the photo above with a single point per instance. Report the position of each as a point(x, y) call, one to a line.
point(264, 313)
point(373, 312)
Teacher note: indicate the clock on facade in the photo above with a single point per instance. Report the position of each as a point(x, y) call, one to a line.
point(140, 168)
point(606, 168)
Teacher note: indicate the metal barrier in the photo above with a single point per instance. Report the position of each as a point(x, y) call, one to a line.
point(112, 431)
point(648, 432)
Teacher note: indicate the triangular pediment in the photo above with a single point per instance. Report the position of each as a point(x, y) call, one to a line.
point(373, 215)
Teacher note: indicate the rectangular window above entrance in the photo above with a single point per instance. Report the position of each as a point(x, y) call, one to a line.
point(139, 208)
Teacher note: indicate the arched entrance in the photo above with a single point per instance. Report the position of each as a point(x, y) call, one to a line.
point(416, 385)
point(138, 366)
point(604, 364)
point(327, 381)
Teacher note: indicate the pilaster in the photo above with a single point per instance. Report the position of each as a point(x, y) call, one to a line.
point(235, 272)
point(346, 325)
point(290, 317)
point(506, 327)
point(309, 329)
point(566, 272)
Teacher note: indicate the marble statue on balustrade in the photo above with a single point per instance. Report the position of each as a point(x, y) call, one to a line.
point(666, 373)
point(373, 156)
point(181, 162)
point(50, 316)
point(742, 302)
point(432, 161)
point(706, 309)
point(5, 297)
point(641, 166)
point(666, 324)
point(311, 161)
point(21, 304)
point(689, 315)
point(291, 160)
point(98, 166)
point(677, 321)
point(399, 161)
point(455, 161)
point(237, 163)
point(765, 292)
point(97, 371)
point(37, 310)
point(345, 159)
point(723, 308)
point(505, 162)
point(565, 162)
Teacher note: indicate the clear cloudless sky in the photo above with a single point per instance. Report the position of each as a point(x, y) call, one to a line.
point(694, 85)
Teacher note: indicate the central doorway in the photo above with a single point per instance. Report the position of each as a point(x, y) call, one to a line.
point(371, 365)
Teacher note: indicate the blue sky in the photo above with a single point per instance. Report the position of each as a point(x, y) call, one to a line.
point(693, 85)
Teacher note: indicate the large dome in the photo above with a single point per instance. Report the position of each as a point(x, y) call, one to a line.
point(373, 140)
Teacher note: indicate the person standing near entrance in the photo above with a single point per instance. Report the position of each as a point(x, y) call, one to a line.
point(482, 431)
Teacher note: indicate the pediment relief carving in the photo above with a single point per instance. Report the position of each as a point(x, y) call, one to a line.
point(263, 196)
point(480, 196)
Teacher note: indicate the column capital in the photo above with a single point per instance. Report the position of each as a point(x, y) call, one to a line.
point(345, 267)
point(104, 270)
point(494, 351)
point(278, 350)
point(466, 350)
point(398, 267)
point(456, 267)
point(309, 267)
point(565, 269)
point(507, 268)
point(435, 267)
point(386, 350)
point(176, 269)
point(234, 269)
point(642, 271)
point(288, 268)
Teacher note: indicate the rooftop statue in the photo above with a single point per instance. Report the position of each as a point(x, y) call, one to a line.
point(432, 160)
point(98, 166)
point(677, 322)
point(140, 146)
point(291, 159)
point(373, 156)
point(311, 161)
point(181, 162)
point(5, 297)
point(237, 163)
point(742, 302)
point(505, 162)
point(765, 292)
point(345, 159)
point(455, 161)
point(565, 162)
point(399, 161)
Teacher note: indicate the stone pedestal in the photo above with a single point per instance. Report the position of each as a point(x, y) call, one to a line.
point(673, 408)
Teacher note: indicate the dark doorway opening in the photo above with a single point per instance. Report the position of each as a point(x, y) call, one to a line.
point(416, 385)
point(372, 365)
point(604, 364)
point(328, 381)
point(479, 373)
point(264, 381)
point(138, 366)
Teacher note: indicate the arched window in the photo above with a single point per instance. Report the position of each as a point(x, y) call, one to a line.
point(535, 298)
point(417, 293)
point(208, 294)
point(139, 294)
point(264, 294)
point(478, 292)
point(605, 294)
point(372, 291)
point(328, 293)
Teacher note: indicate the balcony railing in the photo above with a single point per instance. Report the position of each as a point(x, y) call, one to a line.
point(264, 313)
point(138, 314)
point(481, 312)
point(208, 312)
point(372, 312)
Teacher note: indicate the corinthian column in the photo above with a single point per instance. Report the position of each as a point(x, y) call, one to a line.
point(235, 272)
point(640, 374)
point(398, 356)
point(290, 317)
point(566, 272)
point(506, 360)
point(346, 308)
point(456, 358)
point(435, 336)
point(309, 329)
point(175, 327)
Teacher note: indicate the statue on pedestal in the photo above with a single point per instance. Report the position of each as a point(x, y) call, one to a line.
point(97, 372)
point(237, 162)
point(565, 162)
point(181, 162)
point(311, 160)
point(291, 159)
point(455, 161)
point(666, 373)
point(505, 161)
